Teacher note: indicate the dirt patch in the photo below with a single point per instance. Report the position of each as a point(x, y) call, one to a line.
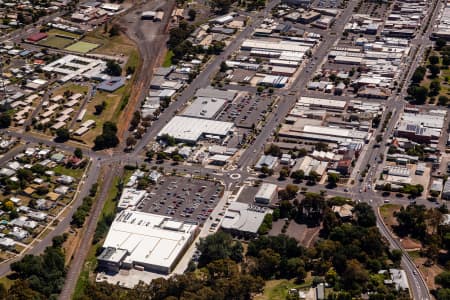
point(71, 244)
point(410, 244)
point(387, 212)
point(429, 273)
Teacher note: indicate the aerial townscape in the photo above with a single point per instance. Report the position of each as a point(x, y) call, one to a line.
point(225, 149)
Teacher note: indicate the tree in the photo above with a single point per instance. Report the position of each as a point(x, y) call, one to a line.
point(273, 150)
point(289, 192)
point(62, 135)
point(355, 276)
point(396, 256)
point(78, 153)
point(219, 246)
point(108, 138)
point(434, 70)
point(266, 171)
point(113, 68)
point(418, 75)
point(114, 30)
point(131, 141)
point(440, 43)
point(419, 93)
point(333, 179)
point(8, 205)
point(312, 207)
point(443, 279)
point(192, 13)
point(435, 88)
point(222, 6)
point(443, 100)
point(313, 177)
point(411, 221)
point(434, 59)
point(268, 263)
point(284, 173)
point(136, 119)
point(321, 146)
point(365, 215)
point(99, 108)
point(298, 175)
point(223, 67)
point(5, 120)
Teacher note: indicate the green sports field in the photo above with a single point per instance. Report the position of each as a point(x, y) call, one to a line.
point(82, 47)
point(56, 42)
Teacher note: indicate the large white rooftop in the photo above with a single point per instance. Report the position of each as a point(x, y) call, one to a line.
point(337, 132)
point(192, 129)
point(275, 46)
point(72, 65)
point(149, 239)
point(320, 102)
point(206, 108)
point(244, 217)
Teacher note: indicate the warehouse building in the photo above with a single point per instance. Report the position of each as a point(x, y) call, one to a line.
point(298, 130)
point(190, 130)
point(318, 103)
point(243, 219)
point(145, 241)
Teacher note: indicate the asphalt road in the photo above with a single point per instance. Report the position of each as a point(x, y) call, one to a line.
point(80, 255)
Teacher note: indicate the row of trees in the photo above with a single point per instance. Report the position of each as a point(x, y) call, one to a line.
point(38, 277)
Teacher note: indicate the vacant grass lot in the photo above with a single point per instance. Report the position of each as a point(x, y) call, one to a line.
point(168, 59)
point(278, 289)
point(387, 212)
point(56, 42)
point(74, 88)
point(116, 45)
point(112, 102)
point(54, 31)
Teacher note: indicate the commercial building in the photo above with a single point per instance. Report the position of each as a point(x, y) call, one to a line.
point(190, 130)
point(308, 164)
point(210, 92)
point(300, 3)
point(299, 130)
point(145, 241)
point(130, 198)
point(243, 219)
point(112, 84)
point(207, 108)
point(398, 279)
point(267, 193)
point(319, 103)
point(446, 190)
point(268, 161)
point(442, 29)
